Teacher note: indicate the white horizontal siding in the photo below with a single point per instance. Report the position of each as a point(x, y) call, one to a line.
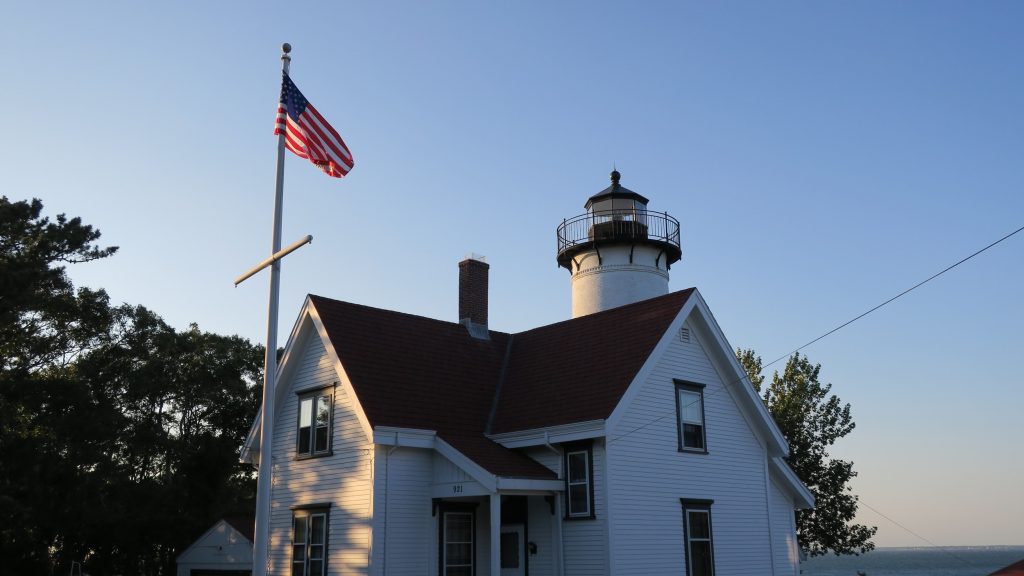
point(785, 547)
point(585, 541)
point(648, 475)
point(405, 542)
point(541, 530)
point(342, 479)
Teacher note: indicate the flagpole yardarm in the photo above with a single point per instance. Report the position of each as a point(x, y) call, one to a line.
point(263, 480)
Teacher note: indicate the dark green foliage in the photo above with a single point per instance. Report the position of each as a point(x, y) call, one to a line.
point(119, 435)
point(812, 420)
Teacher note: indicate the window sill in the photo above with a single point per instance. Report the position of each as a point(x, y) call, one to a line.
point(693, 451)
point(580, 517)
point(313, 456)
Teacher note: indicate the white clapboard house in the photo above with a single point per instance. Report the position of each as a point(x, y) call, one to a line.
point(624, 441)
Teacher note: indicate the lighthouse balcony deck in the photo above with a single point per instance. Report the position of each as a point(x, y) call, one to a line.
point(618, 226)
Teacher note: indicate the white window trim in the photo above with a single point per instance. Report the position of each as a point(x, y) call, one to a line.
point(682, 387)
point(588, 481)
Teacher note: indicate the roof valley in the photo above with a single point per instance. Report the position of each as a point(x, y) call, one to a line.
point(502, 374)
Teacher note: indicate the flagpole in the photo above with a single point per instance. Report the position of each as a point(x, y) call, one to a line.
point(263, 480)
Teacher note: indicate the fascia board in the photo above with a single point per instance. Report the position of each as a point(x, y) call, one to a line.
point(346, 383)
point(652, 360)
point(530, 485)
point(780, 470)
point(198, 541)
point(404, 437)
point(477, 472)
point(551, 434)
point(251, 447)
point(737, 381)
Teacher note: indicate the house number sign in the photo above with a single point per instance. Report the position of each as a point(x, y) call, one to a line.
point(456, 488)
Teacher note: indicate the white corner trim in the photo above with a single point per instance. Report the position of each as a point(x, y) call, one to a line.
point(551, 434)
point(788, 479)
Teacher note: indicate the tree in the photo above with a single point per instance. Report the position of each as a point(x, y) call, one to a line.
point(812, 420)
point(119, 435)
point(44, 325)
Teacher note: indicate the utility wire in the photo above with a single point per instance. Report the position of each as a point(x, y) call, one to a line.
point(915, 534)
point(894, 298)
point(826, 334)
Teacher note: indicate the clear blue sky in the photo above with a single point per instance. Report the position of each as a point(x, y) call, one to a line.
point(820, 156)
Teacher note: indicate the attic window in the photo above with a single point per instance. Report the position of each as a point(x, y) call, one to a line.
point(314, 425)
point(684, 334)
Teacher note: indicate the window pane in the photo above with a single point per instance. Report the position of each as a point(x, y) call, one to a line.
point(304, 440)
point(316, 567)
point(458, 527)
point(458, 554)
point(458, 571)
point(323, 410)
point(578, 467)
point(321, 440)
point(299, 569)
point(299, 553)
point(693, 436)
point(690, 406)
point(699, 527)
point(299, 532)
point(579, 499)
point(700, 559)
point(305, 412)
point(317, 529)
point(510, 550)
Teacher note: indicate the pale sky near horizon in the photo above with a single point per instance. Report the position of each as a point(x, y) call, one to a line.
point(821, 158)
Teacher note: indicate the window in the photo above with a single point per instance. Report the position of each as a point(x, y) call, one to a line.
point(457, 543)
point(579, 486)
point(690, 408)
point(314, 438)
point(309, 542)
point(700, 553)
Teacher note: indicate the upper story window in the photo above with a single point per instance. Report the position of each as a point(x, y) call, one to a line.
point(314, 436)
point(579, 485)
point(700, 552)
point(690, 412)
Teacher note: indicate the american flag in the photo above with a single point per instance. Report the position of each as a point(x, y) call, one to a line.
point(308, 135)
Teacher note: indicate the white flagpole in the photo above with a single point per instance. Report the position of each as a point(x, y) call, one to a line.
point(263, 481)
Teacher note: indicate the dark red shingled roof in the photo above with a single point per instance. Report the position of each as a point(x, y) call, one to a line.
point(577, 370)
point(1015, 569)
point(415, 372)
point(246, 525)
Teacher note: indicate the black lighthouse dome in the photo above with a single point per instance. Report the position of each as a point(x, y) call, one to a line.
point(618, 215)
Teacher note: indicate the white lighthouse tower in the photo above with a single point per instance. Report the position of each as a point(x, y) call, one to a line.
point(619, 252)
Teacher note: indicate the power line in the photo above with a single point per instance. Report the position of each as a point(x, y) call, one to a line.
point(915, 534)
point(894, 298)
point(826, 334)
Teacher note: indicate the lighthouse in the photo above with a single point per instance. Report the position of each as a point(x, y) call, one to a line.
point(618, 252)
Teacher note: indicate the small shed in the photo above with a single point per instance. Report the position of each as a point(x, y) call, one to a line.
point(223, 550)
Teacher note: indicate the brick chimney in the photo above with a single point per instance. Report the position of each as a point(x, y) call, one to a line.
point(473, 295)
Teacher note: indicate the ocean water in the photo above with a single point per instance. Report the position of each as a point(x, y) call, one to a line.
point(947, 561)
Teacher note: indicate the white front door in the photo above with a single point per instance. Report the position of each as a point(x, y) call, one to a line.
point(513, 550)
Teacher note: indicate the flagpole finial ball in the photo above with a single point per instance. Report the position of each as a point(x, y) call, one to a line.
point(286, 48)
